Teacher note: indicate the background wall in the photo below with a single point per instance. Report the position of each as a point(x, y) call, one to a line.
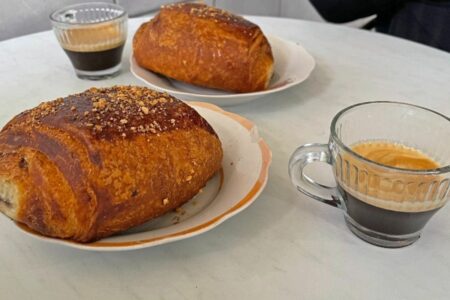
point(19, 17)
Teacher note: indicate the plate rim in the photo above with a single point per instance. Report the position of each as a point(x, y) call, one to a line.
point(134, 64)
point(244, 202)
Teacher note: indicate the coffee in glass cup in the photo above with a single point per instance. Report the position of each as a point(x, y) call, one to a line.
point(93, 36)
point(392, 168)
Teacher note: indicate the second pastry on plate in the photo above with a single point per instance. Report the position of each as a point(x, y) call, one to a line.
point(208, 54)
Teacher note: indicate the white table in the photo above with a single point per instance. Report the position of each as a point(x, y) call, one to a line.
point(284, 246)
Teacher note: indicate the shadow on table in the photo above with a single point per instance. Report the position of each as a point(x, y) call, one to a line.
point(306, 91)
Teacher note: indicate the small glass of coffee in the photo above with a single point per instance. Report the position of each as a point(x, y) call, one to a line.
point(391, 163)
point(93, 36)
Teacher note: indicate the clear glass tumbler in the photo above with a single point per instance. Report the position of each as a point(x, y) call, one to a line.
point(383, 205)
point(93, 36)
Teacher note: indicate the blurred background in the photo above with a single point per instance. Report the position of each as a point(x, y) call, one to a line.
point(423, 21)
point(20, 17)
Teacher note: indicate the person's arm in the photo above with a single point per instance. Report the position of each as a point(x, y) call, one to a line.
point(341, 11)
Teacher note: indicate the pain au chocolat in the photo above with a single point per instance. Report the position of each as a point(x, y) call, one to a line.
point(96, 163)
point(205, 46)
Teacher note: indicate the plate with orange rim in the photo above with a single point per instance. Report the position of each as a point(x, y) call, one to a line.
point(244, 174)
point(293, 65)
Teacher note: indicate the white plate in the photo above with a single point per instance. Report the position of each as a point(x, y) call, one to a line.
point(293, 64)
point(243, 176)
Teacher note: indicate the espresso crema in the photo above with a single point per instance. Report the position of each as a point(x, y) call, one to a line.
point(395, 155)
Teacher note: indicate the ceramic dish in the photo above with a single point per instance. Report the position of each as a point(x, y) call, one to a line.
point(293, 64)
point(242, 178)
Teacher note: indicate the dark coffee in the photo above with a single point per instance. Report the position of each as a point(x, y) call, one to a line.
point(94, 48)
point(383, 202)
point(95, 60)
point(383, 220)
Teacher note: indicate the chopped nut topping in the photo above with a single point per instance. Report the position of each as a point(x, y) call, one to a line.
point(189, 178)
point(122, 111)
point(101, 103)
point(165, 201)
point(205, 11)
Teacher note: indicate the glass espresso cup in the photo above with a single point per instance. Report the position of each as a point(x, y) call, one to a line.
point(391, 163)
point(93, 36)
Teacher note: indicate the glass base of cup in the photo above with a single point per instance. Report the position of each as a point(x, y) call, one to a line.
point(381, 239)
point(99, 75)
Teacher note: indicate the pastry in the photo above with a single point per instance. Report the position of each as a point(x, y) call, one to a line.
point(205, 46)
point(96, 163)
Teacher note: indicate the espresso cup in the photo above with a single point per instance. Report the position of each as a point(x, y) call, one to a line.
point(93, 36)
point(391, 163)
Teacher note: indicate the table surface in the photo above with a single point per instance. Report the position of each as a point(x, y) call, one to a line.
point(285, 245)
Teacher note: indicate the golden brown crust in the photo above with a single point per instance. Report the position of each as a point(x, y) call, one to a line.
point(205, 46)
point(96, 163)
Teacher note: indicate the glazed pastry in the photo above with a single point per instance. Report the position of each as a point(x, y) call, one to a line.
point(205, 46)
point(96, 163)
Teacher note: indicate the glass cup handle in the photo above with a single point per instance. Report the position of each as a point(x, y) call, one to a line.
point(302, 157)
